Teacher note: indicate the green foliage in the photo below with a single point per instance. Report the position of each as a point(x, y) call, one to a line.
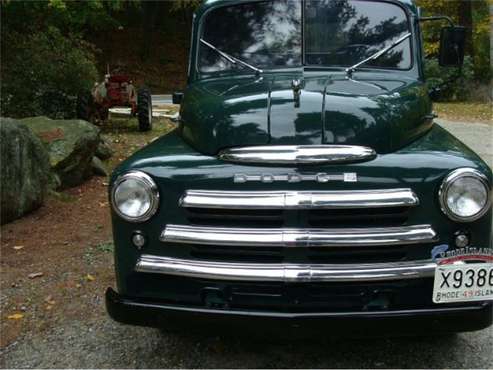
point(445, 78)
point(481, 40)
point(185, 5)
point(478, 46)
point(68, 16)
point(43, 72)
point(431, 30)
point(45, 60)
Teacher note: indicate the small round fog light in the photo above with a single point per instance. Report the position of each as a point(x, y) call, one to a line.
point(461, 240)
point(139, 240)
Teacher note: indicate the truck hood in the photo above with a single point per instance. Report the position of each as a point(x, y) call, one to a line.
point(381, 111)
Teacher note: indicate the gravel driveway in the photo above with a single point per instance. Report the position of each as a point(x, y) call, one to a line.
point(478, 136)
point(100, 342)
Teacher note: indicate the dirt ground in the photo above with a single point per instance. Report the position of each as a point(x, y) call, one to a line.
point(57, 262)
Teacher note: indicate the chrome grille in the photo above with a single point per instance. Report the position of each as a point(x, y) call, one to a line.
point(332, 227)
point(318, 209)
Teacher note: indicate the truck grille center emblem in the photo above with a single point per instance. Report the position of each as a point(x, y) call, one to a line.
point(296, 177)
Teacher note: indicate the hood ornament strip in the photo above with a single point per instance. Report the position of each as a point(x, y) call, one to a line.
point(296, 85)
point(295, 155)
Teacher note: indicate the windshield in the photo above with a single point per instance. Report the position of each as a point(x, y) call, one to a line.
point(333, 33)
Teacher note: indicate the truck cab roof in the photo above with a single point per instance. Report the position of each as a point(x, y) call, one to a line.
point(208, 4)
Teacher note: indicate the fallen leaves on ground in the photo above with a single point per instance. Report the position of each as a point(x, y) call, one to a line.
point(35, 275)
point(15, 316)
point(18, 247)
point(50, 300)
point(89, 277)
point(464, 111)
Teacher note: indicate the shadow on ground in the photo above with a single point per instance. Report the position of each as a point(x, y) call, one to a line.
point(104, 343)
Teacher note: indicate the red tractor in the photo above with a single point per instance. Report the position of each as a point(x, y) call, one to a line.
point(117, 90)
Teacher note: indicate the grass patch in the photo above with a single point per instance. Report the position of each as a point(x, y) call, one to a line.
point(105, 247)
point(93, 252)
point(464, 111)
point(125, 138)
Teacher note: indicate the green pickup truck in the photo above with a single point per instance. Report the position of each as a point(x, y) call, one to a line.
point(306, 187)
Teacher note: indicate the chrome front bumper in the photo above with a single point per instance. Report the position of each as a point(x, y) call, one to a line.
point(285, 272)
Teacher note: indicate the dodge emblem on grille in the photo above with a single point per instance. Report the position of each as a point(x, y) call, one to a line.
point(296, 177)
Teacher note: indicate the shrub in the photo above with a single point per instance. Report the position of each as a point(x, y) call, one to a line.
point(452, 88)
point(43, 72)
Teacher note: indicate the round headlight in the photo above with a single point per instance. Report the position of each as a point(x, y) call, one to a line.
point(465, 195)
point(135, 196)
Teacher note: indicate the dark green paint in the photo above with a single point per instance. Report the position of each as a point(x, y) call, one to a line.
point(387, 110)
point(384, 111)
point(176, 166)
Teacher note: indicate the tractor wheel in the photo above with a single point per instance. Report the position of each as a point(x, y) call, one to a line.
point(104, 113)
point(144, 109)
point(85, 106)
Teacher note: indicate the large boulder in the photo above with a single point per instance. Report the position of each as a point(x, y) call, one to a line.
point(104, 150)
point(98, 167)
point(71, 145)
point(24, 168)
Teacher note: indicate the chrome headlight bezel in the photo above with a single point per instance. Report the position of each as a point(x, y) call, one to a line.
point(447, 183)
point(149, 185)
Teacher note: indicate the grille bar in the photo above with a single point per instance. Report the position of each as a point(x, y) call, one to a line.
point(284, 237)
point(299, 199)
point(285, 272)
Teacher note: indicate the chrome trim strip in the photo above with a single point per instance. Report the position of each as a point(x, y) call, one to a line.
point(292, 273)
point(258, 237)
point(345, 199)
point(302, 154)
point(320, 177)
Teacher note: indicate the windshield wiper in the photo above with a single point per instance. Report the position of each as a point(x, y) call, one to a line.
point(378, 54)
point(231, 58)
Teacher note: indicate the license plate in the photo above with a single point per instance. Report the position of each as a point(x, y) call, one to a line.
point(463, 283)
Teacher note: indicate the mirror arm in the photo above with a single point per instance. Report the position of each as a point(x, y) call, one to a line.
point(449, 81)
point(437, 18)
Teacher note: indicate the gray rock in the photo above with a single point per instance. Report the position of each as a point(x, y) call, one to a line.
point(24, 168)
point(104, 150)
point(71, 145)
point(98, 167)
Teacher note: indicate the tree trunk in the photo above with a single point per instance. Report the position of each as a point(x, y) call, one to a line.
point(465, 19)
point(150, 10)
point(491, 46)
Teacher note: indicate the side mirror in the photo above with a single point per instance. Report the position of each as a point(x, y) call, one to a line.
point(177, 97)
point(452, 40)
